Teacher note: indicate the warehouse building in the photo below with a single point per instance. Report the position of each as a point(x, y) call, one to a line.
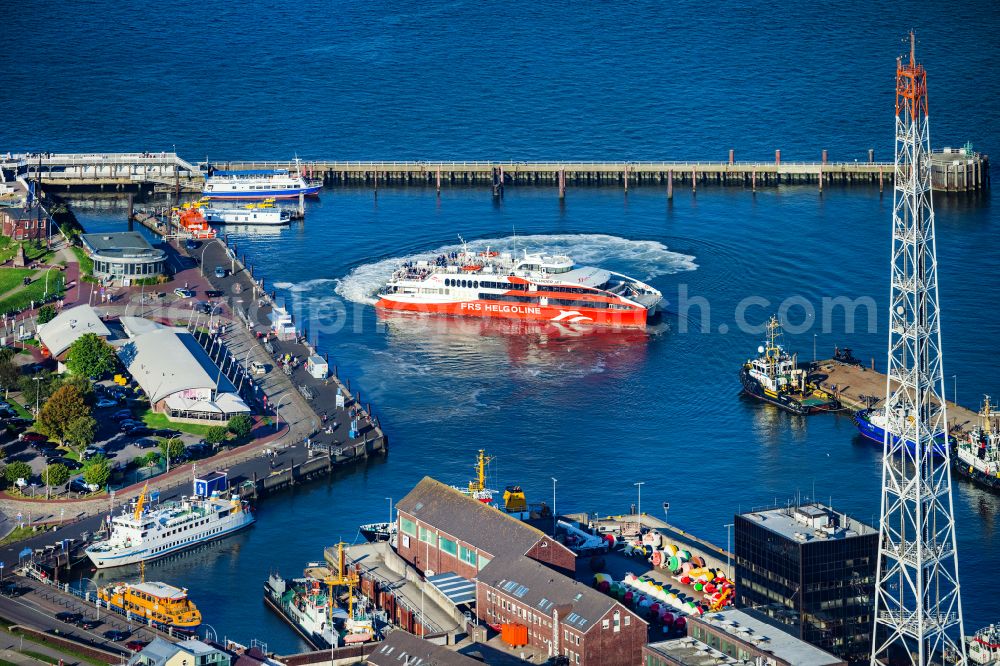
point(443, 530)
point(401, 648)
point(178, 376)
point(533, 605)
point(59, 334)
point(812, 570)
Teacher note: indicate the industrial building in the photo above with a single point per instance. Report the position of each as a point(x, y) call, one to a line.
point(124, 256)
point(812, 570)
point(177, 374)
point(444, 530)
point(735, 637)
point(531, 604)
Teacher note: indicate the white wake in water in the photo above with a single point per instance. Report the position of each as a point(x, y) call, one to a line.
point(640, 259)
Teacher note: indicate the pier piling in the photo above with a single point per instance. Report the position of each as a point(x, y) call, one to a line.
point(670, 185)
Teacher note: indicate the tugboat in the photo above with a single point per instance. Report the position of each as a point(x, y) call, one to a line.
point(309, 609)
point(977, 454)
point(984, 647)
point(775, 377)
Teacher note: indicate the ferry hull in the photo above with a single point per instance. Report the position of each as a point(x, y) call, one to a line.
point(310, 191)
point(634, 318)
point(977, 476)
point(876, 433)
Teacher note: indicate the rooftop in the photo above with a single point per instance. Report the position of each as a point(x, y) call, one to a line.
point(809, 523)
point(753, 630)
point(401, 648)
point(535, 585)
point(691, 652)
point(468, 519)
point(166, 361)
point(69, 326)
point(124, 244)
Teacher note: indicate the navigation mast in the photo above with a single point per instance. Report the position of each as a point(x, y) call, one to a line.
point(918, 609)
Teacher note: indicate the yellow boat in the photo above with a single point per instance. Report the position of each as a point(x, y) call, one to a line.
point(164, 604)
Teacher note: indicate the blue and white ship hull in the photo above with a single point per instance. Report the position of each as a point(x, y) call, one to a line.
point(287, 193)
point(869, 428)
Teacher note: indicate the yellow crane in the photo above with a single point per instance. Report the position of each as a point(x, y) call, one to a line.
point(342, 577)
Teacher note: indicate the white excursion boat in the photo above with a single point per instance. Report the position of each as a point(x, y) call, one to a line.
point(139, 535)
point(264, 214)
point(535, 287)
point(259, 184)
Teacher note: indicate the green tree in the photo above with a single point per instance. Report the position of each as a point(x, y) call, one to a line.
point(240, 425)
point(80, 432)
point(63, 407)
point(17, 470)
point(36, 388)
point(82, 384)
point(171, 448)
point(55, 475)
point(90, 356)
point(97, 471)
point(216, 434)
point(10, 373)
point(46, 313)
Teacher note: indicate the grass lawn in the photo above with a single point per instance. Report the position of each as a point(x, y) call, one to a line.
point(18, 534)
point(86, 263)
point(33, 292)
point(40, 657)
point(13, 277)
point(21, 411)
point(157, 420)
point(60, 648)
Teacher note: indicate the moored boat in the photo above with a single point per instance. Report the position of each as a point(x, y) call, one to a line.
point(984, 646)
point(775, 377)
point(140, 535)
point(191, 222)
point(164, 605)
point(307, 607)
point(977, 452)
point(536, 287)
point(259, 184)
point(871, 424)
point(266, 214)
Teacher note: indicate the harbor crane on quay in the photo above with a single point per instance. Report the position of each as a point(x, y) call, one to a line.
point(918, 607)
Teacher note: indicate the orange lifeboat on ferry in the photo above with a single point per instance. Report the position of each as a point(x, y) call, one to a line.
point(472, 268)
point(491, 253)
point(192, 222)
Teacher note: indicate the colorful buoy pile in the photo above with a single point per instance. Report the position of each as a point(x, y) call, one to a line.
point(654, 601)
point(687, 569)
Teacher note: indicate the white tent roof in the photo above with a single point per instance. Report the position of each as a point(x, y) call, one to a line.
point(228, 403)
point(69, 326)
point(166, 361)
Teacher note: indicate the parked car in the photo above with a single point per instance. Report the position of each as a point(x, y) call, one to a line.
point(191, 244)
point(136, 646)
point(116, 635)
point(204, 308)
point(199, 450)
point(138, 431)
point(213, 293)
point(124, 425)
point(104, 403)
point(68, 462)
point(121, 415)
point(69, 617)
point(89, 625)
point(146, 443)
point(183, 292)
point(19, 421)
point(92, 451)
point(81, 486)
point(33, 437)
point(220, 271)
point(166, 432)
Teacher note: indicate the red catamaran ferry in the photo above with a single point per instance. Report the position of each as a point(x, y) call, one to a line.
point(533, 287)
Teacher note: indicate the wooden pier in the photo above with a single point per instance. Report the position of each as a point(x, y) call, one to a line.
point(952, 170)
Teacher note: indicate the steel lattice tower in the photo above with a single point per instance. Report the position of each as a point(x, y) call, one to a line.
point(918, 609)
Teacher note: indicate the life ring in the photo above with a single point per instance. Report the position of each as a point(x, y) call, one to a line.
point(657, 558)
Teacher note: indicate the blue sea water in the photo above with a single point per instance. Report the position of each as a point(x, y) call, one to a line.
point(469, 80)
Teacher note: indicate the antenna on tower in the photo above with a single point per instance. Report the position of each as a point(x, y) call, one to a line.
point(918, 608)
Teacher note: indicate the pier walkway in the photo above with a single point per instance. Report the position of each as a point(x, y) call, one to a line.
point(952, 170)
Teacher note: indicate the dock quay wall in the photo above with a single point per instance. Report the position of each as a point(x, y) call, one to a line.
point(952, 170)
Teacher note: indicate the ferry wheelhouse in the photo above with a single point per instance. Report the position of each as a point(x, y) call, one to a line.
point(259, 184)
point(164, 605)
point(977, 453)
point(535, 287)
point(138, 535)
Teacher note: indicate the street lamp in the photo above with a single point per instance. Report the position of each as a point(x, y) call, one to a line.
point(390, 510)
point(277, 421)
point(729, 550)
point(37, 390)
point(554, 505)
point(202, 260)
point(814, 347)
point(954, 389)
point(638, 510)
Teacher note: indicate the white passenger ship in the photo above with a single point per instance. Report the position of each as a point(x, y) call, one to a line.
point(139, 534)
point(535, 287)
point(259, 184)
point(251, 214)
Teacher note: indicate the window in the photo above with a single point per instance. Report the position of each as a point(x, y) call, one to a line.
point(448, 546)
point(606, 624)
point(483, 561)
point(628, 620)
point(467, 555)
point(408, 526)
point(618, 621)
point(427, 536)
